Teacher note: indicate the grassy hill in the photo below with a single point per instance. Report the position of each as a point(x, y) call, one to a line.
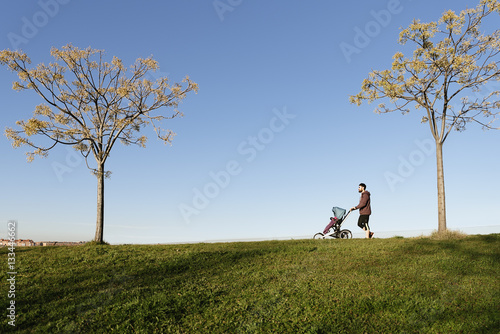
point(393, 285)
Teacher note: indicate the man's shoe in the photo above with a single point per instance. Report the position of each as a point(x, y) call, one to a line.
point(371, 234)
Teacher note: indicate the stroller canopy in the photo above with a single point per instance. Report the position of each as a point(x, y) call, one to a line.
point(338, 212)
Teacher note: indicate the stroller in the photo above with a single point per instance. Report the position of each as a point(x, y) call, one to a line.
point(335, 231)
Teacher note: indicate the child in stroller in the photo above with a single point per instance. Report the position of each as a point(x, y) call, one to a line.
point(333, 223)
point(336, 220)
point(333, 230)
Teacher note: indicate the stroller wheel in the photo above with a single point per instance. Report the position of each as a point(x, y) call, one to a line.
point(345, 234)
point(319, 236)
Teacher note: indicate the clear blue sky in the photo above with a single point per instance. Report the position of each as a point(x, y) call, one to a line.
point(268, 145)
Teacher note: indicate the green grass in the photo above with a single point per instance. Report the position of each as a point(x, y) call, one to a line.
point(395, 285)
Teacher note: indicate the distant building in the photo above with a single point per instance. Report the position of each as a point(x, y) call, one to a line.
point(4, 242)
point(19, 242)
point(29, 243)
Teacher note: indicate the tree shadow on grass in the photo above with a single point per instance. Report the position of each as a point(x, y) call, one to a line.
point(469, 249)
point(157, 286)
point(163, 288)
point(458, 296)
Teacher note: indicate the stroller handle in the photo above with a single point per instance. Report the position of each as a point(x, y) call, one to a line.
point(347, 214)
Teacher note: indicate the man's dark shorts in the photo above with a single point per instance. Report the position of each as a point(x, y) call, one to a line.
point(363, 221)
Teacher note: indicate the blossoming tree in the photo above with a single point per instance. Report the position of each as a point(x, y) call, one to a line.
point(91, 104)
point(451, 62)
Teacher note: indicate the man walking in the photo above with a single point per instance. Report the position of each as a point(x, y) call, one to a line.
point(364, 210)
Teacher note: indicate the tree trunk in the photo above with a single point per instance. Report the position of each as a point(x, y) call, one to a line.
point(99, 231)
point(440, 188)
